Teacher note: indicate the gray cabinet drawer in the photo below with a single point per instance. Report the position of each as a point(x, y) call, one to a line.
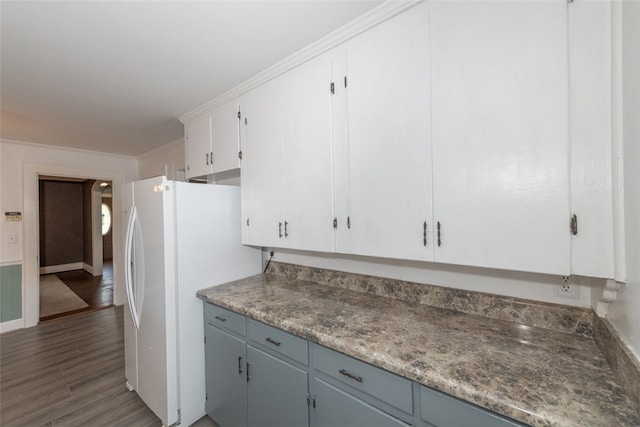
point(441, 410)
point(223, 318)
point(279, 341)
point(376, 382)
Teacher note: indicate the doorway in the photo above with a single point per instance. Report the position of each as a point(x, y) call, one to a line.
point(75, 245)
point(31, 274)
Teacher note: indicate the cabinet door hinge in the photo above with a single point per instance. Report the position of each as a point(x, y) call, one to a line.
point(335, 222)
point(574, 224)
point(333, 88)
point(311, 401)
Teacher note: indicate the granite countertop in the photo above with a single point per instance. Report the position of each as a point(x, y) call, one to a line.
point(536, 376)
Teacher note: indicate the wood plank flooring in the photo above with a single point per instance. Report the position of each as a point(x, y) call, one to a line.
point(97, 291)
point(69, 372)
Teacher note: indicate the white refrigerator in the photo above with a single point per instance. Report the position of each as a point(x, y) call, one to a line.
point(180, 238)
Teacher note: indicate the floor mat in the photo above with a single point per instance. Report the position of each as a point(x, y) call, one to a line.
point(56, 297)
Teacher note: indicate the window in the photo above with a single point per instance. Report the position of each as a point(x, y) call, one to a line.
point(106, 219)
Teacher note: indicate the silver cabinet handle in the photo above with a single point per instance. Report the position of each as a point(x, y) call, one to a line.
point(272, 341)
point(207, 159)
point(248, 366)
point(222, 319)
point(350, 375)
point(286, 234)
point(439, 240)
point(239, 365)
point(280, 230)
point(211, 157)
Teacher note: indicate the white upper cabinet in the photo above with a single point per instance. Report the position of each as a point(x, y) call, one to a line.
point(307, 155)
point(212, 141)
point(287, 198)
point(225, 137)
point(262, 196)
point(500, 134)
point(197, 142)
point(389, 140)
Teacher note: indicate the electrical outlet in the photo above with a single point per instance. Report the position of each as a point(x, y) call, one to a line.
point(567, 288)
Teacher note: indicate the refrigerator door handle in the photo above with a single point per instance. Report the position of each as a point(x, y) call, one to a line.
point(131, 263)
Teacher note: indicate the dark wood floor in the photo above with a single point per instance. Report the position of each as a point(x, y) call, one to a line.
point(97, 291)
point(69, 372)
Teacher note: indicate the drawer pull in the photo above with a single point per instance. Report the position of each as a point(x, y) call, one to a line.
point(239, 365)
point(350, 375)
point(272, 341)
point(222, 319)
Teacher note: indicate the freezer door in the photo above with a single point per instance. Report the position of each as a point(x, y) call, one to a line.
point(130, 329)
point(154, 290)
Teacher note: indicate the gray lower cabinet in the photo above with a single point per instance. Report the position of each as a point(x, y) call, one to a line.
point(261, 376)
point(441, 410)
point(226, 382)
point(335, 407)
point(277, 391)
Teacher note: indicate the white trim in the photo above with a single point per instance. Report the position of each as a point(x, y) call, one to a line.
point(11, 325)
point(89, 269)
point(370, 19)
point(14, 262)
point(61, 147)
point(61, 267)
point(96, 229)
point(31, 241)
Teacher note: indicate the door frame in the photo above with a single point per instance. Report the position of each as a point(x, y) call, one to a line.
point(31, 233)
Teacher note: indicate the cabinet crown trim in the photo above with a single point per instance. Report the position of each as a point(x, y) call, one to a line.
point(360, 24)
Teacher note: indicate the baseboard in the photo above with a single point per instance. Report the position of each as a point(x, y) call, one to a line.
point(61, 267)
point(89, 269)
point(11, 325)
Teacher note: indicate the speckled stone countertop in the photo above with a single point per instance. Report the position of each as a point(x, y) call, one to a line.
point(537, 376)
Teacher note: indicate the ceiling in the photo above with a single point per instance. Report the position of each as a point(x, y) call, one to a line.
point(114, 76)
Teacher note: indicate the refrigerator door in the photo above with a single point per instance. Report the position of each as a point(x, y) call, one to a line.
point(154, 292)
point(135, 268)
point(130, 330)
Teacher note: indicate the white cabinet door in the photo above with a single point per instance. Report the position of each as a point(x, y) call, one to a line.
point(500, 134)
point(389, 139)
point(308, 181)
point(262, 170)
point(198, 148)
point(225, 137)
point(287, 198)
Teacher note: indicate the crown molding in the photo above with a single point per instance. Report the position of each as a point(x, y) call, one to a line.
point(64, 148)
point(370, 19)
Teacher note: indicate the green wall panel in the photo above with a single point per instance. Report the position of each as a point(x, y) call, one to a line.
point(10, 292)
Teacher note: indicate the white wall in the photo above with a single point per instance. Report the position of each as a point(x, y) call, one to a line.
point(20, 165)
point(167, 160)
point(625, 311)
